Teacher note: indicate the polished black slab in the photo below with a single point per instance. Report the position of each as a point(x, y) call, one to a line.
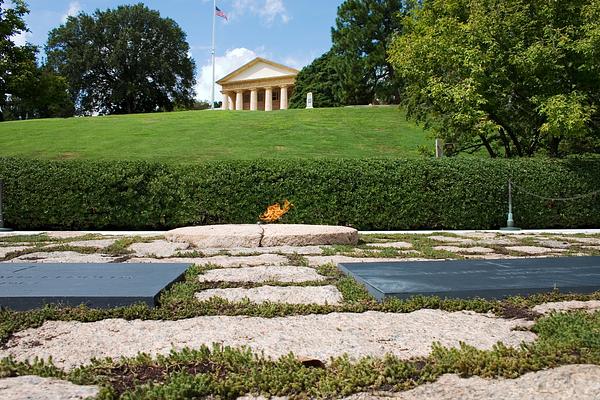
point(26, 286)
point(490, 279)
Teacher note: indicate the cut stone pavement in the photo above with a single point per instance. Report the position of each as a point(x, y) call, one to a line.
point(394, 245)
point(468, 250)
point(158, 248)
point(63, 257)
point(222, 236)
point(6, 250)
point(228, 236)
point(321, 337)
point(569, 382)
point(221, 261)
point(315, 261)
point(533, 250)
point(547, 308)
point(36, 388)
point(278, 294)
point(259, 274)
point(96, 244)
point(452, 239)
point(307, 235)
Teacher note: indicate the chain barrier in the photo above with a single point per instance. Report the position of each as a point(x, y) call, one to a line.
point(582, 196)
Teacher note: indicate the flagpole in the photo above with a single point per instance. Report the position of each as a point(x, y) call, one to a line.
point(214, 14)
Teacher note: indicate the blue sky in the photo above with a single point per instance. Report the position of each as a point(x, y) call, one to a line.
point(292, 32)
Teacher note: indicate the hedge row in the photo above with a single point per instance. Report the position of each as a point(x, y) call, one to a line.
point(367, 194)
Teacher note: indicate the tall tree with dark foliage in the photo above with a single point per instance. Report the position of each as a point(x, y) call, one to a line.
point(361, 38)
point(125, 60)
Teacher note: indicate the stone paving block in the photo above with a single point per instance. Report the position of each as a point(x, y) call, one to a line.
point(467, 250)
point(96, 244)
point(547, 308)
point(452, 239)
point(65, 234)
point(307, 235)
point(278, 294)
point(479, 235)
point(63, 257)
point(6, 250)
point(569, 382)
point(158, 248)
point(595, 248)
point(315, 261)
point(585, 240)
point(554, 244)
point(393, 245)
point(247, 261)
point(321, 337)
point(241, 251)
point(533, 249)
point(36, 388)
point(500, 241)
point(289, 274)
point(218, 236)
point(221, 261)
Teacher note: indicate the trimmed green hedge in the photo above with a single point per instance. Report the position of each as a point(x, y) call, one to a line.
point(453, 193)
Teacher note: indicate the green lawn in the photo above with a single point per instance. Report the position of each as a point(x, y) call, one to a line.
point(381, 132)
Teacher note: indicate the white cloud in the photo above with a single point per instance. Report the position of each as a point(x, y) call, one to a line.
point(21, 38)
point(224, 65)
point(274, 8)
point(74, 9)
point(269, 10)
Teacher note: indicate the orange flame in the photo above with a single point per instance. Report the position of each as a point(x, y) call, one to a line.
point(275, 212)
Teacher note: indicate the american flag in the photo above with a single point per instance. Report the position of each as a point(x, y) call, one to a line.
point(220, 13)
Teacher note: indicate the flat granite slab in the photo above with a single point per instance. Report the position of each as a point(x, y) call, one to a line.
point(259, 235)
point(26, 286)
point(488, 279)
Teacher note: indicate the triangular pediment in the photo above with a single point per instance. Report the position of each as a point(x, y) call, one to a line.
point(257, 69)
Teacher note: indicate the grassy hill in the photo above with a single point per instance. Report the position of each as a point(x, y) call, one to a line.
point(381, 132)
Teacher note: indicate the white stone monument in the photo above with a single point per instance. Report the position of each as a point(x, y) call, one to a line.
point(309, 100)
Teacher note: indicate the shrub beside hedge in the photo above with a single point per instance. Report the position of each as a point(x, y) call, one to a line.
point(367, 194)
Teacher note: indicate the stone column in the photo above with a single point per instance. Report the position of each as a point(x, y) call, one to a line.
point(225, 105)
point(268, 99)
point(231, 102)
point(254, 100)
point(239, 100)
point(283, 100)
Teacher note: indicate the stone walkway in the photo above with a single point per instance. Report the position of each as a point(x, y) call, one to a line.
point(581, 382)
point(571, 382)
point(290, 275)
point(314, 336)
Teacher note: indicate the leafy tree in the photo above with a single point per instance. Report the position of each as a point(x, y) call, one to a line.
point(17, 63)
point(43, 95)
point(361, 38)
point(126, 60)
point(515, 77)
point(320, 78)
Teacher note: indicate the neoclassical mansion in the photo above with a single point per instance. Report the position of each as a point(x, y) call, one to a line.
point(259, 85)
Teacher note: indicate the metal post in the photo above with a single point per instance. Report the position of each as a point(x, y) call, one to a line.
point(510, 222)
point(2, 228)
point(439, 148)
point(214, 17)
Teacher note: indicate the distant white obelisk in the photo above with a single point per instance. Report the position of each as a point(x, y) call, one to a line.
point(309, 100)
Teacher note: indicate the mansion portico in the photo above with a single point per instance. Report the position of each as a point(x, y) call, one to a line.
point(259, 85)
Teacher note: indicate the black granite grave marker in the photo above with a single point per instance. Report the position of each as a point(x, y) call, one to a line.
point(477, 278)
point(26, 286)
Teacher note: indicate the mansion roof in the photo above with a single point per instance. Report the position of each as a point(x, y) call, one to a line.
point(259, 69)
